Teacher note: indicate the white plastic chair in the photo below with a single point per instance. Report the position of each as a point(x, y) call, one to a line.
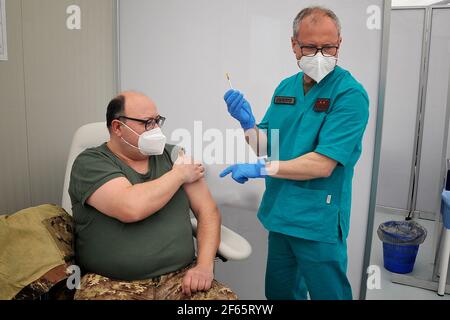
point(232, 246)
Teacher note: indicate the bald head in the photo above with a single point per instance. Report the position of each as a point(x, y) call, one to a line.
point(130, 104)
point(137, 102)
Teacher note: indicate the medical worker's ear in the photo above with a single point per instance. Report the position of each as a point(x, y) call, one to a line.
point(340, 43)
point(293, 44)
point(294, 47)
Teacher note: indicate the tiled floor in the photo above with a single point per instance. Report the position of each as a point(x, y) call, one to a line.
point(423, 267)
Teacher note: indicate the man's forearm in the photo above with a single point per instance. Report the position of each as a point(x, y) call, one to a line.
point(208, 236)
point(308, 167)
point(149, 197)
point(208, 222)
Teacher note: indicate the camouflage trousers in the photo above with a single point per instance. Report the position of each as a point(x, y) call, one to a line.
point(165, 287)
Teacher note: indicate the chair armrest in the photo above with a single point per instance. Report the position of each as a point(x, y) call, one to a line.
point(232, 245)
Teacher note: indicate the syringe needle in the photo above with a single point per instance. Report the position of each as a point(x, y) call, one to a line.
point(229, 81)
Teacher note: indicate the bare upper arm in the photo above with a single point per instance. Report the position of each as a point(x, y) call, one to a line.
point(108, 199)
point(200, 197)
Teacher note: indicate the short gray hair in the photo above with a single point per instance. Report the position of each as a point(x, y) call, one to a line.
point(314, 10)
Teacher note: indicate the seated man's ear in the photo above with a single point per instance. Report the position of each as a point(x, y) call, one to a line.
point(116, 128)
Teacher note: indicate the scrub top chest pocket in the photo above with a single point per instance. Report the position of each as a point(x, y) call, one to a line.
point(311, 123)
point(319, 111)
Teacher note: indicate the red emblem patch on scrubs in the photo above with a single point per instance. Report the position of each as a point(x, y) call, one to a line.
point(322, 105)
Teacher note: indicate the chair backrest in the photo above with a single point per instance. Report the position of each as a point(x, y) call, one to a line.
point(88, 136)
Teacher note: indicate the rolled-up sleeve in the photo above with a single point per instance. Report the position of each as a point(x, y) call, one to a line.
point(90, 171)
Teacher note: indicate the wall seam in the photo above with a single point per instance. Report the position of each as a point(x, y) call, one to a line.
point(26, 104)
point(385, 37)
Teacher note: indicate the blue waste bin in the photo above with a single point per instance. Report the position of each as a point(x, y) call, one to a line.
point(401, 241)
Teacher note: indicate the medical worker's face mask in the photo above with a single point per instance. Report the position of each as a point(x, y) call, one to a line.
point(317, 67)
point(151, 143)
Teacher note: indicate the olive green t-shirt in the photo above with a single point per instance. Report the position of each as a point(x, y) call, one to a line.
point(159, 244)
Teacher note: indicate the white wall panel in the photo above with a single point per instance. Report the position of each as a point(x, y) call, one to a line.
point(429, 187)
point(15, 180)
point(69, 82)
point(401, 108)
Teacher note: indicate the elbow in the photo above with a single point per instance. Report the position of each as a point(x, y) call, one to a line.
point(326, 174)
point(127, 217)
point(131, 213)
point(218, 215)
point(215, 209)
point(327, 171)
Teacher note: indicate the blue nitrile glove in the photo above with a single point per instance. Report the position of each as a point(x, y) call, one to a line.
point(242, 172)
point(240, 109)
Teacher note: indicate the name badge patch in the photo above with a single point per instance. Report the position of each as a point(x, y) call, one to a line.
point(285, 100)
point(322, 105)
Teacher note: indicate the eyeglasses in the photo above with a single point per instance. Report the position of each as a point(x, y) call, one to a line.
point(150, 123)
point(310, 51)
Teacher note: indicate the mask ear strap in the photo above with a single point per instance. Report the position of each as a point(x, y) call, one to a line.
point(126, 140)
point(129, 128)
point(129, 144)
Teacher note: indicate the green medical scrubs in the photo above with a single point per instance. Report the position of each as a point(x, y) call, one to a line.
point(315, 214)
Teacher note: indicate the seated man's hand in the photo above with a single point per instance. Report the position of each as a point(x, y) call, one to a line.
point(197, 279)
point(189, 170)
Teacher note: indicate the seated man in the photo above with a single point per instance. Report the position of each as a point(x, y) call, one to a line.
point(131, 202)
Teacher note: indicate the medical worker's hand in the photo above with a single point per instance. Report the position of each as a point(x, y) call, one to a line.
point(242, 172)
point(197, 279)
point(240, 109)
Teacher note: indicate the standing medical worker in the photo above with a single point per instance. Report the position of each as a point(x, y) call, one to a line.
point(320, 115)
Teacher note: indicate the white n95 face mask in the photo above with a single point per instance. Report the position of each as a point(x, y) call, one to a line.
point(317, 67)
point(151, 143)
